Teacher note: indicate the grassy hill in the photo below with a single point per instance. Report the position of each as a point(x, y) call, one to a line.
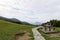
point(8, 30)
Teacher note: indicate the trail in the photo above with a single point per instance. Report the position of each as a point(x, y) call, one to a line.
point(37, 35)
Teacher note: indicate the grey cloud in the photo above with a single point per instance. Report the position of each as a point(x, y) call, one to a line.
point(31, 10)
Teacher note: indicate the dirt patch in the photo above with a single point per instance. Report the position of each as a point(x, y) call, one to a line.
point(54, 35)
point(23, 37)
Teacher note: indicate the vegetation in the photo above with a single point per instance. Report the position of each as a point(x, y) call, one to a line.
point(48, 37)
point(56, 26)
point(55, 23)
point(8, 30)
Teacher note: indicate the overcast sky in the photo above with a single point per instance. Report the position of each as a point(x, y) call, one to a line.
point(30, 10)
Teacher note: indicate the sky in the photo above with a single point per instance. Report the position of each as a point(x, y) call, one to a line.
point(31, 10)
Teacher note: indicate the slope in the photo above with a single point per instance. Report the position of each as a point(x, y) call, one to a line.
point(8, 30)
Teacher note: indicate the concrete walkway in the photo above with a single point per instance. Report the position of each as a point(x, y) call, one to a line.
point(37, 35)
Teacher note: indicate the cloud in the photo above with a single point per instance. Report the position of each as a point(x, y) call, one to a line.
point(31, 10)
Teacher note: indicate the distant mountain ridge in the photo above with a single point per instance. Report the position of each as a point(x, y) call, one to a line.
point(14, 20)
point(37, 23)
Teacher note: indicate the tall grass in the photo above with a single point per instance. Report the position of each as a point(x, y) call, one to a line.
point(8, 30)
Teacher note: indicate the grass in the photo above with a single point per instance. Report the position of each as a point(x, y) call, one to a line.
point(8, 30)
point(48, 37)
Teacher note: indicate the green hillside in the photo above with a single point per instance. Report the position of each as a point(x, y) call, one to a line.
point(8, 30)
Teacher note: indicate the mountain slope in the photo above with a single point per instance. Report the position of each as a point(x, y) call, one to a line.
point(14, 20)
point(8, 30)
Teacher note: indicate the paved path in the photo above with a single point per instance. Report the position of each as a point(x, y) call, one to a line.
point(37, 35)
